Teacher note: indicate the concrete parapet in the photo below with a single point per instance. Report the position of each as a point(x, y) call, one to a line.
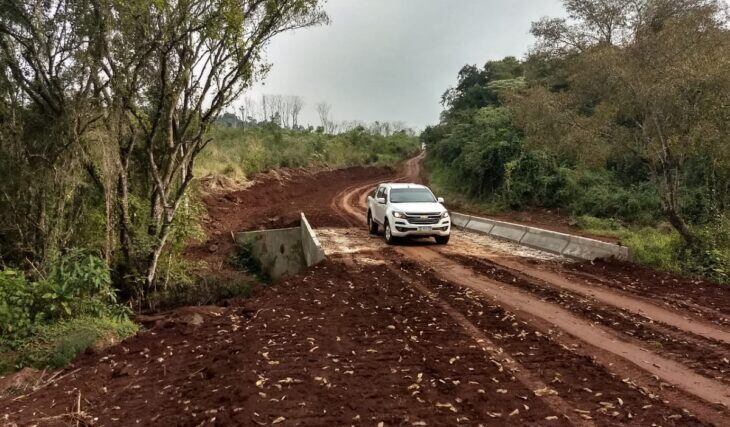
point(549, 241)
point(283, 252)
point(311, 248)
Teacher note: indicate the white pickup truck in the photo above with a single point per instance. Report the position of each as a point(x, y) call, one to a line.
point(408, 210)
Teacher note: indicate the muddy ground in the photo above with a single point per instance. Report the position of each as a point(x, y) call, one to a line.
point(479, 332)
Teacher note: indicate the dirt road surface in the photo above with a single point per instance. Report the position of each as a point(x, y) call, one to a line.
point(479, 332)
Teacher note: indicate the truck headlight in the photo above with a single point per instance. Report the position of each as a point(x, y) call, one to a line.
point(399, 215)
point(445, 214)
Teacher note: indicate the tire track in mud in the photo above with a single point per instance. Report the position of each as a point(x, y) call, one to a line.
point(601, 339)
point(498, 356)
point(612, 352)
point(705, 356)
point(631, 304)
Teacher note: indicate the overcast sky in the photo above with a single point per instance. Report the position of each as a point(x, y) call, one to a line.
point(391, 60)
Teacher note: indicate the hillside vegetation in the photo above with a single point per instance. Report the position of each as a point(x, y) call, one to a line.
point(239, 152)
point(618, 116)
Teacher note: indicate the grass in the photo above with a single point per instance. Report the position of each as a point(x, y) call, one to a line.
point(238, 153)
point(55, 345)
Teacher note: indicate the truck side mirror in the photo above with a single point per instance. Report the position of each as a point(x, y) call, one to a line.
point(440, 200)
point(381, 200)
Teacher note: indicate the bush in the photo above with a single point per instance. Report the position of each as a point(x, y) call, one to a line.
point(54, 345)
point(655, 248)
point(711, 257)
point(78, 284)
point(16, 303)
point(650, 246)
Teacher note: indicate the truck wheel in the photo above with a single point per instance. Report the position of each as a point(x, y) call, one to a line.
point(372, 225)
point(389, 238)
point(442, 240)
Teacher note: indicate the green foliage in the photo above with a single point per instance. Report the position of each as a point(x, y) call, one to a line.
point(54, 345)
point(239, 153)
point(16, 303)
point(649, 245)
point(624, 124)
point(711, 258)
point(663, 248)
point(78, 285)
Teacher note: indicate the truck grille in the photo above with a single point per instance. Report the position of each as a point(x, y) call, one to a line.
point(423, 218)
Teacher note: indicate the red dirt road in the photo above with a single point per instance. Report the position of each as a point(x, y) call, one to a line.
point(412, 335)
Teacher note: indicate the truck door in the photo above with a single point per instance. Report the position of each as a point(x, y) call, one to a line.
point(379, 208)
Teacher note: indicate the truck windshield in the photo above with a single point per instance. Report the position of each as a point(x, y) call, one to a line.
point(411, 195)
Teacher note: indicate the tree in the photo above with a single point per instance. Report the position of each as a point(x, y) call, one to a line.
point(172, 67)
point(49, 107)
point(323, 110)
point(297, 104)
point(660, 90)
point(128, 90)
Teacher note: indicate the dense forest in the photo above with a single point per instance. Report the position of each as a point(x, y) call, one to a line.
point(619, 116)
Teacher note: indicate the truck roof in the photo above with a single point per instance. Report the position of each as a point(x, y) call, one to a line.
point(401, 185)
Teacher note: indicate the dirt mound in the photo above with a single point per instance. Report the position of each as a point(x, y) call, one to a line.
point(273, 200)
point(217, 184)
point(20, 381)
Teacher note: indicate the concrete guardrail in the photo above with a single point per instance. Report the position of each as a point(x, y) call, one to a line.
point(549, 241)
point(285, 251)
point(311, 248)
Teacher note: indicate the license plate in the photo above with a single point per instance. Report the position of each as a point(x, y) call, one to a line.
point(425, 228)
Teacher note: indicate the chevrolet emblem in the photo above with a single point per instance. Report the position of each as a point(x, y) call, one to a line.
point(424, 216)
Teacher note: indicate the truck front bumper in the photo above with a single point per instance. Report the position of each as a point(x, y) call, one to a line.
point(404, 229)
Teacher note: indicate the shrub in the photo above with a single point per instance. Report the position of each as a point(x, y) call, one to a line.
point(54, 345)
point(655, 248)
point(16, 303)
point(710, 258)
point(78, 284)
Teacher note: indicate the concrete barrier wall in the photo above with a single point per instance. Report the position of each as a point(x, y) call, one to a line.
point(550, 241)
point(279, 251)
point(285, 251)
point(311, 248)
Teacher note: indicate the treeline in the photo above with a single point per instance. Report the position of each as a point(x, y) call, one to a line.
point(284, 111)
point(619, 116)
point(238, 151)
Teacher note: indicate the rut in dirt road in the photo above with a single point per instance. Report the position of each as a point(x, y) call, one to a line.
point(701, 389)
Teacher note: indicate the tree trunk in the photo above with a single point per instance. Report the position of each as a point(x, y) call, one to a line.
point(154, 258)
point(680, 225)
point(109, 236)
point(670, 174)
point(125, 239)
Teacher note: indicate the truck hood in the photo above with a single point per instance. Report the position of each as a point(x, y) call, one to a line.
point(418, 207)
